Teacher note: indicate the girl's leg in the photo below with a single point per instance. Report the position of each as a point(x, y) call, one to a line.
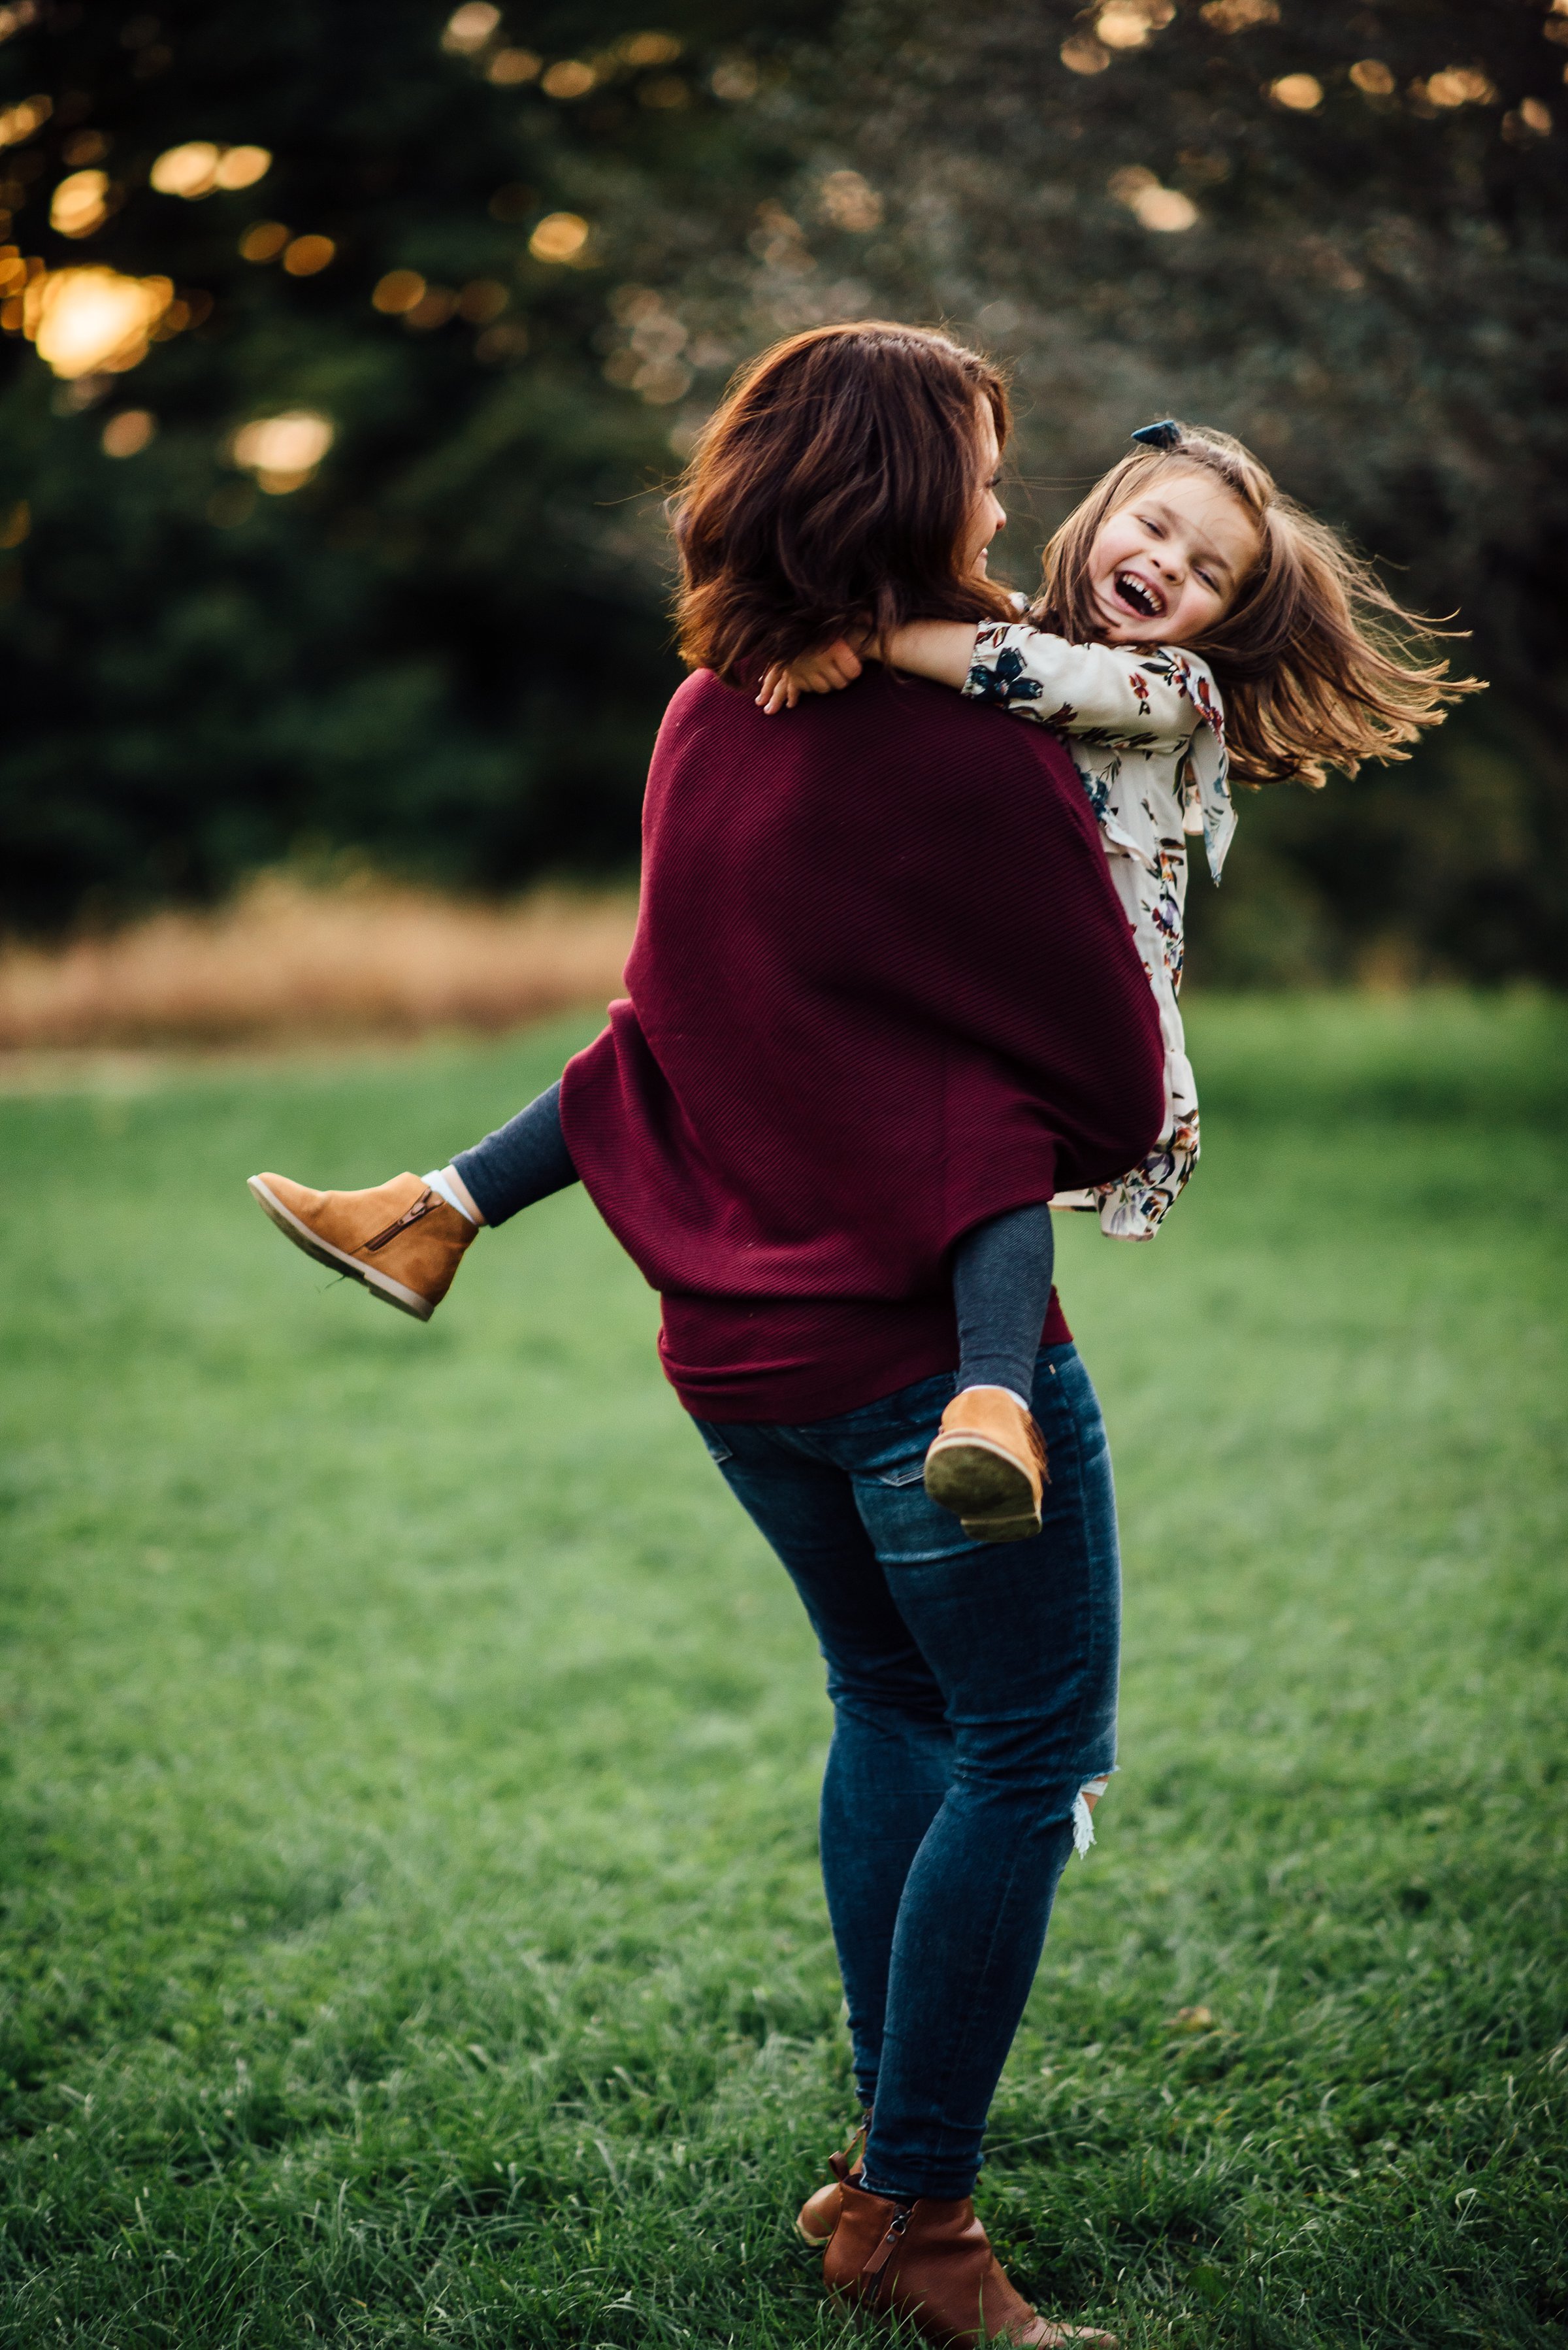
point(1002, 1289)
point(404, 1240)
point(522, 1162)
point(987, 1464)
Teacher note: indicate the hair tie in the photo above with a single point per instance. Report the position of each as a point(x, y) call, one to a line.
point(1164, 435)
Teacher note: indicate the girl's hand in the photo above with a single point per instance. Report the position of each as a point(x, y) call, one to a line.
point(824, 670)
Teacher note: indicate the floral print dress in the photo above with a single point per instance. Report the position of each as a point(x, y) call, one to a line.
point(1145, 727)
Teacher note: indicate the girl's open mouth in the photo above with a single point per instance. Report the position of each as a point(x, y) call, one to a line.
point(1139, 598)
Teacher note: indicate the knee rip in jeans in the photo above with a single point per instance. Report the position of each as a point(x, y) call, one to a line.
point(1084, 1812)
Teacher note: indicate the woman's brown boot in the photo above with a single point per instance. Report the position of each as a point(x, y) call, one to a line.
point(932, 2263)
point(818, 2215)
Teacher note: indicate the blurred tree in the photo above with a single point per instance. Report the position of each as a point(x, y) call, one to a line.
point(1336, 230)
point(440, 638)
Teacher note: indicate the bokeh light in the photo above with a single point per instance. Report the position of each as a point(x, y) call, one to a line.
point(93, 321)
point(129, 432)
point(1460, 86)
point(1298, 91)
point(263, 241)
point(1152, 205)
point(569, 78)
point(1084, 55)
point(850, 202)
point(1239, 16)
point(1127, 23)
point(647, 49)
point(189, 171)
point(735, 79)
point(481, 300)
point(283, 451)
point(19, 121)
point(1372, 77)
point(468, 28)
point(510, 68)
point(398, 291)
point(560, 237)
point(80, 204)
point(306, 256)
point(242, 167)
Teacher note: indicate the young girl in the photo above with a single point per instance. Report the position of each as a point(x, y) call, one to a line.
point(1196, 627)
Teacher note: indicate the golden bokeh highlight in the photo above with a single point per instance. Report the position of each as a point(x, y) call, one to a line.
point(647, 49)
point(1460, 86)
point(305, 257)
point(93, 321)
point(1084, 55)
point(1152, 205)
point(1299, 92)
point(850, 202)
point(509, 69)
point(1372, 77)
point(263, 241)
point(481, 300)
point(191, 171)
point(15, 524)
point(19, 121)
point(80, 204)
point(1239, 16)
point(468, 28)
point(1536, 117)
point(242, 167)
point(569, 78)
point(560, 237)
point(283, 451)
point(398, 291)
point(1127, 23)
point(127, 434)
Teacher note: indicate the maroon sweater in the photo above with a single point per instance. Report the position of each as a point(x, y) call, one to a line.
point(881, 989)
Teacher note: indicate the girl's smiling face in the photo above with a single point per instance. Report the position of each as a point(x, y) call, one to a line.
point(1165, 567)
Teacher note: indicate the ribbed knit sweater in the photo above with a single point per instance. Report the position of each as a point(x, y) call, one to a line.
point(881, 989)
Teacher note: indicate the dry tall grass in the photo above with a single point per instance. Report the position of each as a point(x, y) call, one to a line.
point(288, 961)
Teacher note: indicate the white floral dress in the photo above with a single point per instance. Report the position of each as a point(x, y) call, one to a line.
point(1146, 728)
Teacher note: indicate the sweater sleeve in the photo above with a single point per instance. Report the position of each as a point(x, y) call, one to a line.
point(1016, 944)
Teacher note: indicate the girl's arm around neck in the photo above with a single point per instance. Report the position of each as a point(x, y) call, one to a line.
point(942, 650)
point(1131, 694)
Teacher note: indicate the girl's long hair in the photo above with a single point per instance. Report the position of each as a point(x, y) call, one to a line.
point(831, 492)
point(1319, 665)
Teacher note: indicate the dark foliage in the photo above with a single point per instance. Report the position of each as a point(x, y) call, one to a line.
point(449, 646)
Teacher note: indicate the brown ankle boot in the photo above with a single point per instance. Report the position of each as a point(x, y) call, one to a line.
point(987, 1465)
point(932, 2263)
point(402, 1240)
point(818, 2215)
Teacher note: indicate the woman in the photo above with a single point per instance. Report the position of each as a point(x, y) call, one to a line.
point(881, 992)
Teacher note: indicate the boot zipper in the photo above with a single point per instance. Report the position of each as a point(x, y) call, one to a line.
point(883, 2253)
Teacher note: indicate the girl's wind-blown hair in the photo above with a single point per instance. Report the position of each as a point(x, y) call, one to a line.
point(1319, 665)
point(833, 491)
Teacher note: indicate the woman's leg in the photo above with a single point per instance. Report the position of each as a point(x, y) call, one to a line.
point(890, 1758)
point(1023, 1642)
point(974, 1696)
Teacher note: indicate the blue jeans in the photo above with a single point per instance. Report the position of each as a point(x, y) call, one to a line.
point(974, 1692)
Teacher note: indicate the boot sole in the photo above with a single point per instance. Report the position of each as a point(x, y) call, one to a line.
point(379, 1285)
point(984, 1487)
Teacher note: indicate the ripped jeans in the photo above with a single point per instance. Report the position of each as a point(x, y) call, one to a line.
point(974, 1695)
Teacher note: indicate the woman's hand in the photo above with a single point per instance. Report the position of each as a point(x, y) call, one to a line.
point(824, 670)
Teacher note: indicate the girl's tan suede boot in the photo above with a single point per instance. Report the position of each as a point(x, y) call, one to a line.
point(402, 1240)
point(932, 2263)
point(987, 1465)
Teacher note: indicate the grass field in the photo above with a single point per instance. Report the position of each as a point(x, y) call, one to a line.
point(411, 1929)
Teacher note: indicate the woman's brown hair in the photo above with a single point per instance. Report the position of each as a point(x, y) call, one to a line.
point(1319, 665)
point(831, 492)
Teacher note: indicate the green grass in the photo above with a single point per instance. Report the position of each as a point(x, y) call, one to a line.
point(411, 1926)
